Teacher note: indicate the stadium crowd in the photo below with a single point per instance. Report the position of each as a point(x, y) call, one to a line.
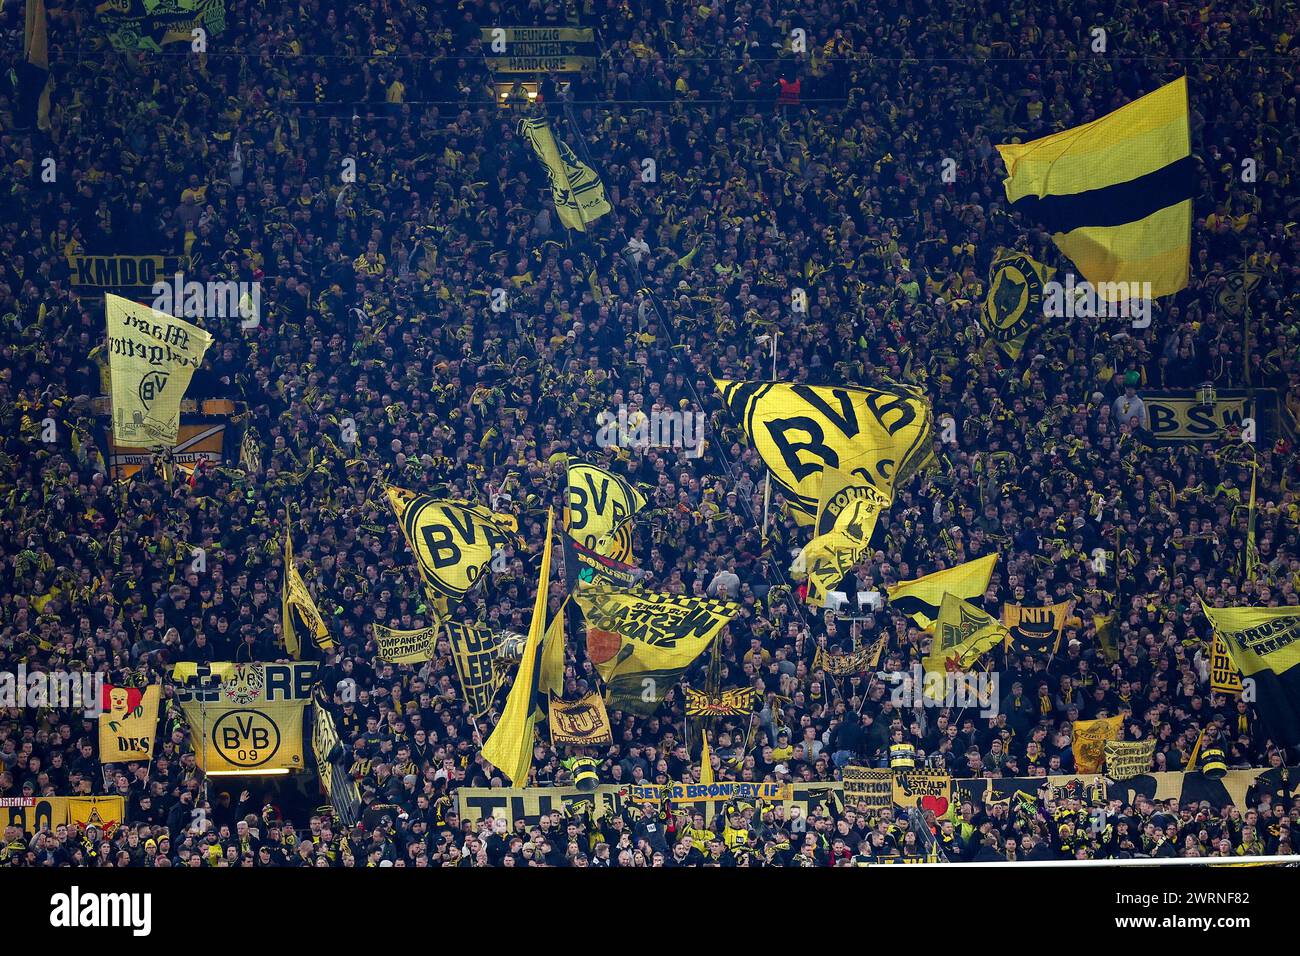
point(376, 306)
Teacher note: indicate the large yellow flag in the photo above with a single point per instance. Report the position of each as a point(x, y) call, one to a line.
point(510, 748)
point(1116, 193)
point(878, 437)
point(962, 633)
point(1036, 629)
point(706, 761)
point(151, 358)
point(599, 504)
point(846, 516)
point(1090, 738)
point(578, 192)
point(1264, 643)
point(921, 597)
point(453, 541)
point(127, 726)
point(298, 610)
point(640, 641)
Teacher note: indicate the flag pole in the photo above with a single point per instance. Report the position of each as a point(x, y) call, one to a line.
point(767, 482)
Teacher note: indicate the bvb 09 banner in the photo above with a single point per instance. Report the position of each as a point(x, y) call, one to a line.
point(245, 717)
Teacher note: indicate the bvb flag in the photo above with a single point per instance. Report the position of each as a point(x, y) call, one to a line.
point(1264, 643)
point(127, 725)
point(510, 748)
point(1090, 738)
point(600, 503)
point(878, 437)
point(640, 642)
point(298, 612)
point(1224, 676)
point(453, 541)
point(962, 633)
point(1116, 193)
point(579, 194)
point(846, 517)
point(920, 598)
point(1014, 299)
point(151, 358)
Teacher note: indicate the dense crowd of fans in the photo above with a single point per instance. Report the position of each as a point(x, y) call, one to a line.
point(376, 307)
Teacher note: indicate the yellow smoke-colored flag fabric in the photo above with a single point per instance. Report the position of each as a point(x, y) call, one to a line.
point(578, 192)
point(640, 642)
point(879, 437)
point(151, 358)
point(35, 35)
point(846, 516)
point(1116, 193)
point(510, 748)
point(1090, 738)
point(599, 505)
point(920, 598)
point(706, 761)
point(453, 541)
point(1224, 676)
point(127, 727)
point(299, 616)
point(1014, 299)
point(1104, 625)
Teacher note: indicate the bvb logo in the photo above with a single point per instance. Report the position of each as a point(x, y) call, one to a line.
point(245, 738)
point(151, 386)
point(1015, 295)
point(244, 685)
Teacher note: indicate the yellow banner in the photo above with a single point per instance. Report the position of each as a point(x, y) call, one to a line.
point(1014, 300)
point(701, 792)
point(580, 723)
point(1128, 758)
point(474, 650)
point(872, 785)
point(1182, 417)
point(1090, 737)
point(1258, 638)
point(131, 276)
point(151, 358)
point(641, 641)
point(923, 789)
point(578, 192)
point(846, 516)
point(127, 728)
point(405, 647)
point(453, 541)
point(538, 49)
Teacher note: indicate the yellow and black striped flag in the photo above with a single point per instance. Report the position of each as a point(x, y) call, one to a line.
point(1116, 193)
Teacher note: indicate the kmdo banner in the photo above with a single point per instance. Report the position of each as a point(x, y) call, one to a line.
point(538, 49)
point(245, 717)
point(129, 276)
point(1182, 417)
